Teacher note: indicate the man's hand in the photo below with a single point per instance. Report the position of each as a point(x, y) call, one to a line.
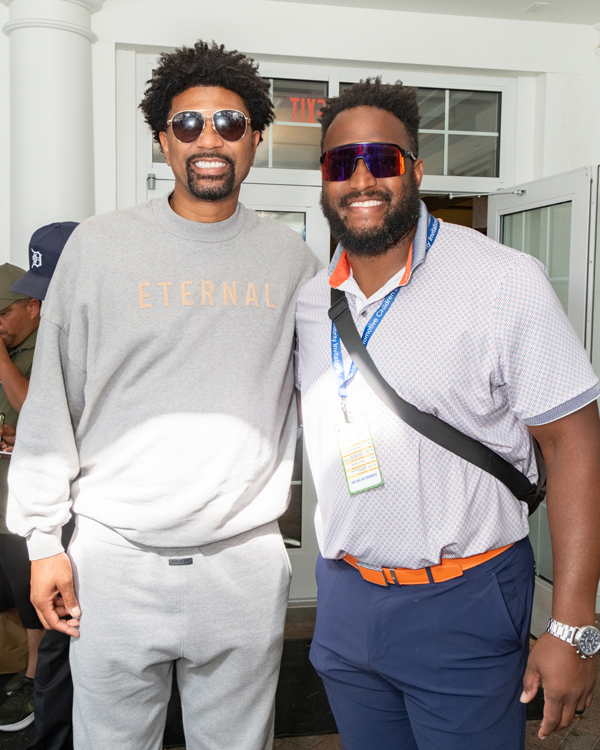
point(53, 595)
point(7, 439)
point(568, 682)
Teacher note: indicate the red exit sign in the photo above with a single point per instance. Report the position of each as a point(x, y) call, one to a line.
point(306, 107)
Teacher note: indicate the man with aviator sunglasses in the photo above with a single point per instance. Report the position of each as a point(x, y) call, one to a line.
point(426, 573)
point(166, 354)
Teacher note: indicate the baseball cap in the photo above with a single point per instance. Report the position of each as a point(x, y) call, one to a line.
point(45, 247)
point(10, 274)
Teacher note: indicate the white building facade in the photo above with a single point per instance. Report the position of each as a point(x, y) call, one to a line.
point(68, 90)
point(506, 102)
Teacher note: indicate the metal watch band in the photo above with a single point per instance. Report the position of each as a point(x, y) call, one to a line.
point(560, 630)
point(586, 639)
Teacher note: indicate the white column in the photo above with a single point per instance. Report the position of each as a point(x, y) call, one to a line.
point(51, 125)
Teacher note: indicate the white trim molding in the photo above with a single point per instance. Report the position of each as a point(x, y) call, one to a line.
point(49, 23)
point(93, 6)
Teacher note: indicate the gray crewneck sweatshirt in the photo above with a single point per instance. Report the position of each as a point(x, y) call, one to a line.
point(161, 399)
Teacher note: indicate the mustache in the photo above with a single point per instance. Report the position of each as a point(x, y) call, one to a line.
point(371, 195)
point(209, 155)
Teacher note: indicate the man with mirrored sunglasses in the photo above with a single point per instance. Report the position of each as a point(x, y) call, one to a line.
point(426, 573)
point(166, 355)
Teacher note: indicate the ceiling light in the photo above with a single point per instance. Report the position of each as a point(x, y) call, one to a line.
point(535, 7)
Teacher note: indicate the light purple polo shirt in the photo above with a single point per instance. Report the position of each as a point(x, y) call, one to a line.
point(477, 337)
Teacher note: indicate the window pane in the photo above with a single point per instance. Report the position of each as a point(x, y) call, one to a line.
point(431, 150)
point(344, 86)
point(560, 240)
point(512, 231)
point(296, 147)
point(536, 234)
point(432, 104)
point(261, 158)
point(293, 141)
point(474, 110)
point(473, 155)
point(293, 219)
point(298, 101)
point(544, 233)
point(157, 155)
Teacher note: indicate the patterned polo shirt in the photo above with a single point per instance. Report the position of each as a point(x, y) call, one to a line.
point(477, 337)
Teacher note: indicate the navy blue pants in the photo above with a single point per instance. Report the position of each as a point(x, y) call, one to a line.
point(427, 667)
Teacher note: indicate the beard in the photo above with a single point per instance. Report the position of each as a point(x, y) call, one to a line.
point(373, 241)
point(210, 187)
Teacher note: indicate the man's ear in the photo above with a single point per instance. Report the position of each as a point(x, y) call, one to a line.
point(34, 306)
point(418, 169)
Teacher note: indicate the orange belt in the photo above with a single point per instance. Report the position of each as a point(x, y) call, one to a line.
point(447, 570)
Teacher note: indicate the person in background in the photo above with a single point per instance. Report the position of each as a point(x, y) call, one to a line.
point(53, 686)
point(19, 321)
point(426, 573)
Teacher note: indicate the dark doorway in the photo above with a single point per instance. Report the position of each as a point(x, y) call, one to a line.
point(467, 211)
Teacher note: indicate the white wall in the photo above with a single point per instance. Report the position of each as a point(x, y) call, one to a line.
point(295, 29)
point(555, 65)
point(4, 140)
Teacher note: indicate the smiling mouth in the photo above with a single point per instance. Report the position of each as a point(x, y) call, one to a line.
point(365, 204)
point(209, 164)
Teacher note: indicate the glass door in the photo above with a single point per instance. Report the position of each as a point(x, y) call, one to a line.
point(298, 208)
point(550, 219)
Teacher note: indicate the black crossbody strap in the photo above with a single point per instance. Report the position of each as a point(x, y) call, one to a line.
point(431, 427)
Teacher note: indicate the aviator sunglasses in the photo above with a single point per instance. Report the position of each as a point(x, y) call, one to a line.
point(381, 159)
point(188, 125)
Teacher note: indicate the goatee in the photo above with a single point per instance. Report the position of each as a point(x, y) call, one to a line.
point(200, 185)
point(370, 242)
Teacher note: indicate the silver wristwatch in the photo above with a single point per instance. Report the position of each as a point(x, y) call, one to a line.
point(586, 639)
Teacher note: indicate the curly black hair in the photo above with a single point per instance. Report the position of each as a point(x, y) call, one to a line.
point(396, 98)
point(206, 64)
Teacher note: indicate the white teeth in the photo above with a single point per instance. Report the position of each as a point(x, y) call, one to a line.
point(366, 204)
point(209, 164)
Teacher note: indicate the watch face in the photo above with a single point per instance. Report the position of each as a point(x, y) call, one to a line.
point(587, 640)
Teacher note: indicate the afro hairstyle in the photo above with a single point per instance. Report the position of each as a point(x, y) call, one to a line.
point(206, 64)
point(396, 98)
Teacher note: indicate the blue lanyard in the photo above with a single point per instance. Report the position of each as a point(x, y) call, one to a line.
point(337, 360)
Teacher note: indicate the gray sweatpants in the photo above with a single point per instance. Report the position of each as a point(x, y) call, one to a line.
point(217, 612)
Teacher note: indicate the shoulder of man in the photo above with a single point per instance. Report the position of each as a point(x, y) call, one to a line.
point(468, 259)
point(23, 354)
point(112, 223)
point(87, 253)
point(474, 247)
point(93, 237)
